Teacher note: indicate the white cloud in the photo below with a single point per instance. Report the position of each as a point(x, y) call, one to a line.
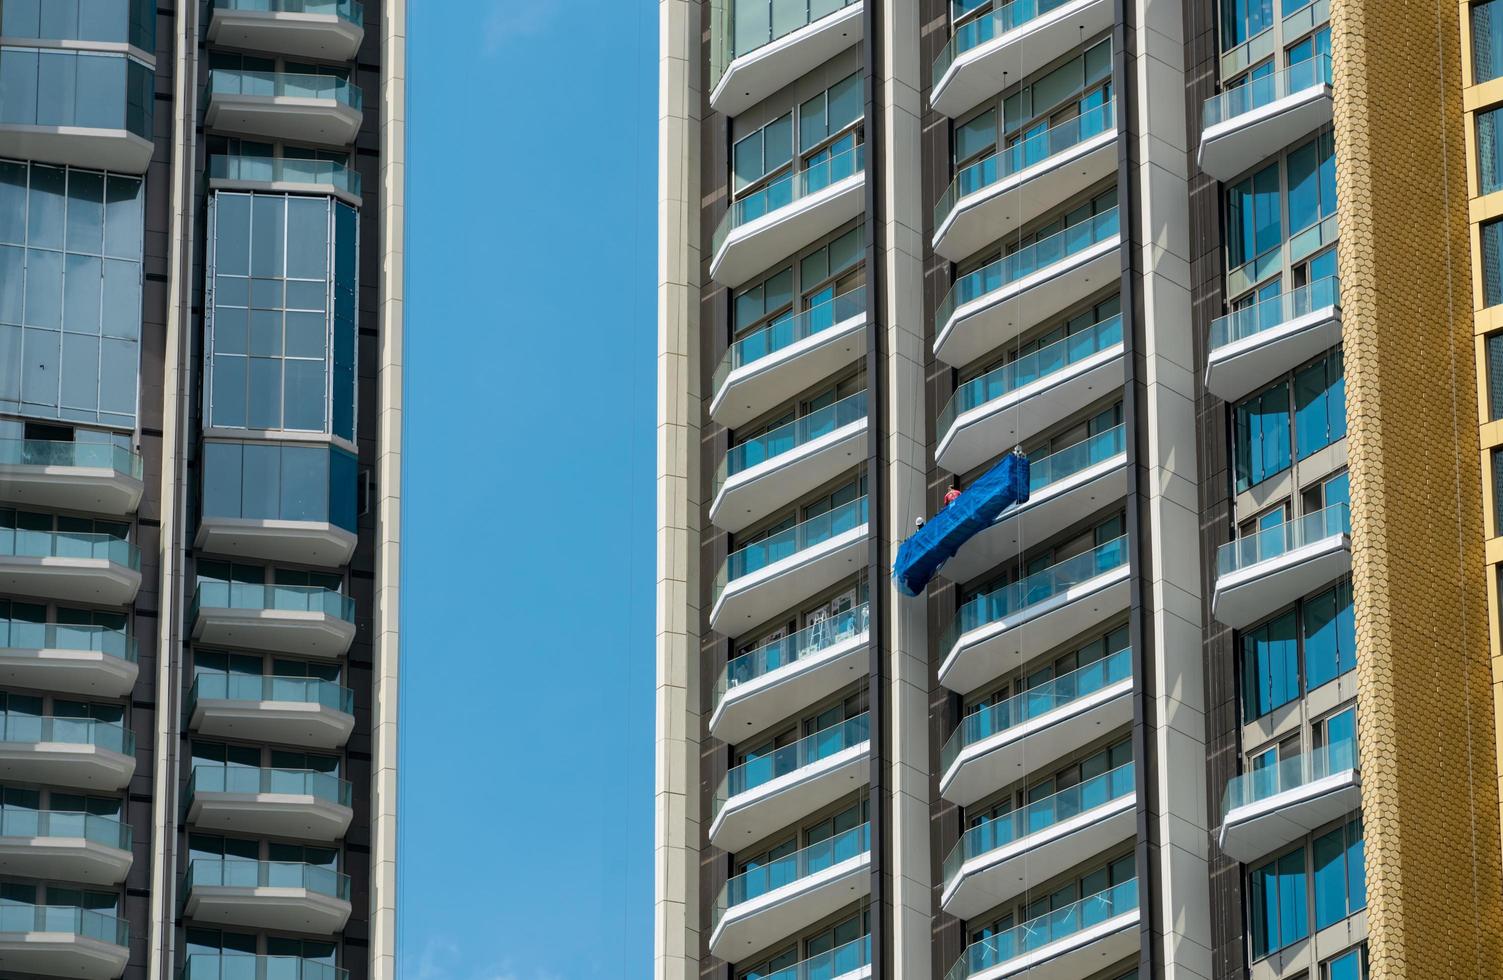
point(513, 20)
point(442, 959)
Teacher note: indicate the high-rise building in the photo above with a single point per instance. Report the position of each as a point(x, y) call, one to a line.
point(201, 269)
point(1217, 700)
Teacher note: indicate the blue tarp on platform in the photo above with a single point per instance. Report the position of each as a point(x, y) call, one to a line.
point(920, 557)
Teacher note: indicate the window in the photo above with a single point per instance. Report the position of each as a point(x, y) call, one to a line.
point(1279, 909)
point(70, 293)
point(87, 89)
point(279, 481)
point(1492, 260)
point(1351, 965)
point(1262, 436)
point(764, 152)
point(1487, 40)
point(130, 21)
point(1319, 404)
point(1253, 222)
point(1270, 666)
point(1340, 882)
point(1330, 635)
point(282, 287)
point(1335, 743)
point(830, 112)
point(1244, 19)
point(1317, 45)
point(1489, 152)
point(1312, 183)
point(1495, 376)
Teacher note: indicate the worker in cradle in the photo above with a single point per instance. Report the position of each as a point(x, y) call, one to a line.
point(950, 495)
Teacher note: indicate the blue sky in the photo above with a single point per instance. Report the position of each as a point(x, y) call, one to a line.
point(527, 656)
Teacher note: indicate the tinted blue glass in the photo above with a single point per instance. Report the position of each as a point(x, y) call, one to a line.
point(343, 474)
point(1356, 866)
point(1347, 966)
point(1330, 878)
point(1294, 923)
point(1312, 414)
point(1492, 260)
point(1487, 40)
point(1270, 666)
point(1330, 638)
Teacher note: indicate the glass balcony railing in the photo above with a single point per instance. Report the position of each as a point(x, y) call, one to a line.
point(786, 438)
point(90, 455)
point(739, 27)
point(248, 966)
point(242, 780)
point(108, 831)
point(1038, 817)
point(791, 758)
point(18, 635)
point(1007, 17)
point(807, 642)
point(1075, 458)
point(1255, 93)
point(816, 530)
point(233, 873)
point(350, 10)
point(1274, 311)
point(789, 331)
point(1289, 774)
point(1036, 588)
point(792, 186)
point(261, 689)
point(1025, 262)
point(282, 84)
point(1024, 154)
point(104, 927)
point(1051, 927)
point(1029, 368)
point(281, 598)
point(254, 168)
point(21, 543)
point(779, 872)
point(1275, 541)
point(18, 729)
point(1036, 702)
point(828, 965)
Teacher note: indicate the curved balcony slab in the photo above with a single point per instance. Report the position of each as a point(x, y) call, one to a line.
point(326, 36)
point(761, 490)
point(1261, 826)
point(753, 705)
point(760, 72)
point(304, 119)
point(118, 150)
point(757, 386)
point(1245, 125)
point(76, 859)
point(76, 765)
point(62, 954)
point(781, 912)
point(294, 815)
point(755, 245)
point(316, 726)
point(1309, 552)
point(757, 596)
point(98, 581)
point(1238, 368)
point(782, 801)
point(986, 69)
point(317, 634)
point(301, 910)
point(86, 489)
point(984, 324)
point(67, 671)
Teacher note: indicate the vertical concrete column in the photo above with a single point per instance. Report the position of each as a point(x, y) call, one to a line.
point(676, 931)
point(908, 879)
point(1178, 902)
point(387, 613)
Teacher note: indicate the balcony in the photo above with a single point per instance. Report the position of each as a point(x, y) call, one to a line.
point(1246, 124)
point(300, 619)
point(1065, 487)
point(84, 108)
point(69, 566)
point(1252, 346)
point(80, 753)
point(1074, 941)
point(292, 803)
point(762, 475)
point(301, 711)
point(767, 904)
point(279, 502)
point(277, 895)
point(328, 30)
point(791, 782)
point(997, 632)
point(771, 575)
point(65, 659)
point(792, 212)
point(68, 846)
point(293, 175)
point(246, 966)
point(1025, 181)
point(779, 679)
point(91, 478)
point(996, 861)
point(853, 961)
point(996, 745)
point(995, 304)
point(774, 364)
point(1268, 808)
point(1022, 398)
point(63, 941)
point(1260, 573)
point(1011, 42)
point(758, 46)
point(322, 109)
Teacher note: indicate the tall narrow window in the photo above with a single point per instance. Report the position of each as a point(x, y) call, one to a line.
point(1487, 40)
point(1492, 262)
